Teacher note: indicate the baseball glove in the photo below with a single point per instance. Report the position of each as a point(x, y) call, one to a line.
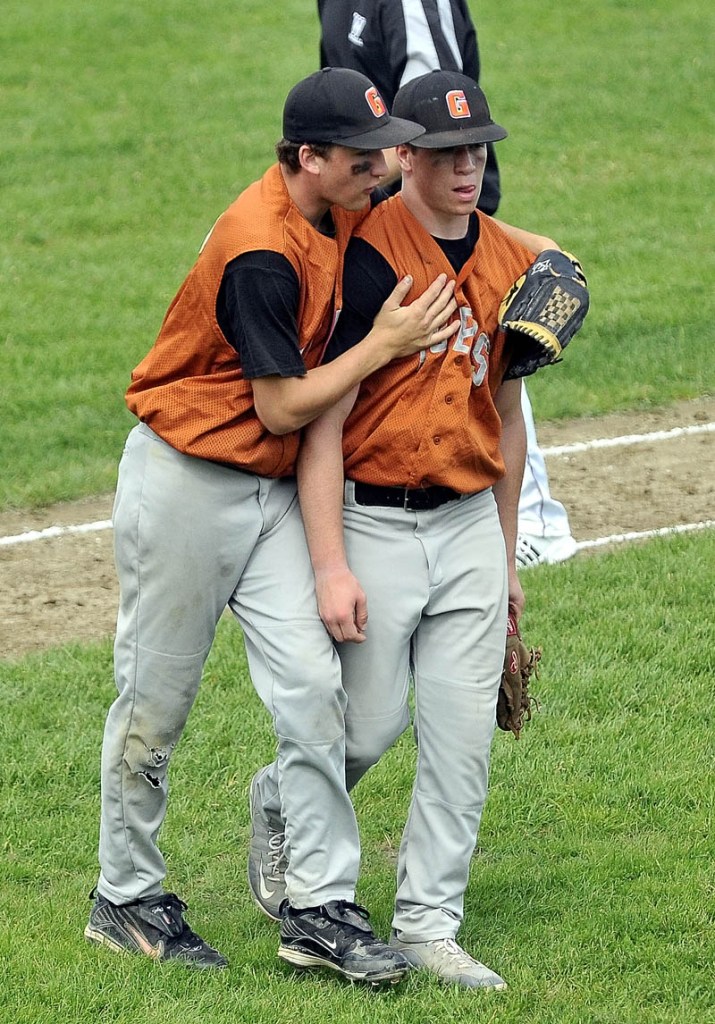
point(542, 311)
point(514, 702)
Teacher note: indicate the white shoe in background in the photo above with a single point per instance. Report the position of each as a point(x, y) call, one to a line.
point(532, 550)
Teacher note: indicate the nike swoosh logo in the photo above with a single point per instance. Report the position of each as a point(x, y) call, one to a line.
point(155, 952)
point(265, 892)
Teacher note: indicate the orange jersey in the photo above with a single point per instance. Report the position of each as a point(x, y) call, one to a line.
point(430, 419)
point(190, 387)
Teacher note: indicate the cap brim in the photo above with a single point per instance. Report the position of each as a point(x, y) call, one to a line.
point(461, 137)
point(393, 133)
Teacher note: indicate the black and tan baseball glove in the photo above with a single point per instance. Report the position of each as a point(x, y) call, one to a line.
point(542, 311)
point(515, 702)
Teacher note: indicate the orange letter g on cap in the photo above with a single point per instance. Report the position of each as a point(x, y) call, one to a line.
point(457, 104)
point(375, 101)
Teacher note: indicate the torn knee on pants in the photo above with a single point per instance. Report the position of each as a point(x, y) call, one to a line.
point(149, 762)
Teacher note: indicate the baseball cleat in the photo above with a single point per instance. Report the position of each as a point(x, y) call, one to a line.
point(154, 927)
point(532, 550)
point(446, 959)
point(266, 858)
point(337, 935)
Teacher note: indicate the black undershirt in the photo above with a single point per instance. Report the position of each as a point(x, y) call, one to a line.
point(257, 308)
point(368, 279)
point(256, 311)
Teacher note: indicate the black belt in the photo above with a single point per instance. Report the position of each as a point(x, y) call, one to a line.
point(414, 499)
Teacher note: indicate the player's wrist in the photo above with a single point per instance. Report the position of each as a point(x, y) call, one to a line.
point(329, 570)
point(377, 348)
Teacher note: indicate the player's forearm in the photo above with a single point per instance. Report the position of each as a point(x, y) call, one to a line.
point(507, 490)
point(320, 490)
point(533, 242)
point(342, 604)
point(286, 404)
point(513, 449)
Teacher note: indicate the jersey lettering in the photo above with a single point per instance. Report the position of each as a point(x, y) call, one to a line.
point(467, 330)
point(480, 359)
point(464, 344)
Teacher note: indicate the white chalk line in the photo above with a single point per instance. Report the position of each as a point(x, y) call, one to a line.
point(55, 531)
point(564, 449)
point(663, 531)
point(627, 439)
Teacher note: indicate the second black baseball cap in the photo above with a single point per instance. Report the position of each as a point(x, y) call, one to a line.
point(341, 106)
point(451, 108)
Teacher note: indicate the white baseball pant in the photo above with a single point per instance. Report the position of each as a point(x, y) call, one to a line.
point(540, 514)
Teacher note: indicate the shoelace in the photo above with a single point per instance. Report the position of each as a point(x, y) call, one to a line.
point(455, 952)
point(276, 847)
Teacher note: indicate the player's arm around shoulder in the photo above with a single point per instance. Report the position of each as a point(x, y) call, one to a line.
point(533, 242)
point(341, 601)
point(506, 491)
point(285, 404)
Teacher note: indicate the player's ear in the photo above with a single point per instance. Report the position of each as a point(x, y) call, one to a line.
point(308, 159)
point(404, 157)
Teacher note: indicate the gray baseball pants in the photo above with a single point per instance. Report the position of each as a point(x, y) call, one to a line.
point(192, 537)
point(436, 585)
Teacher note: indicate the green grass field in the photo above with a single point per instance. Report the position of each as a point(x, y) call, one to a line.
point(126, 130)
point(592, 891)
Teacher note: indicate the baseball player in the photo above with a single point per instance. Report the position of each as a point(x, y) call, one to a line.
point(206, 517)
point(392, 43)
point(431, 449)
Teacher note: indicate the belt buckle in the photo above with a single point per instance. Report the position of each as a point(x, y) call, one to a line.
point(410, 494)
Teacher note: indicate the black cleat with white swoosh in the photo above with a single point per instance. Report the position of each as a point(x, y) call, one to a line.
point(337, 935)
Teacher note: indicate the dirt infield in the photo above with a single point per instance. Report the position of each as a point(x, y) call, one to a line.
point(64, 589)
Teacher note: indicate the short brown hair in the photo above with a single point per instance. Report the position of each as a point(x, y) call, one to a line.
point(287, 152)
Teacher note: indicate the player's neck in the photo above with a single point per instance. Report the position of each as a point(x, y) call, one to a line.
point(311, 204)
point(436, 222)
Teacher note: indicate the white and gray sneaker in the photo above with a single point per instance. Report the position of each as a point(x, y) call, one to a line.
point(447, 959)
point(266, 857)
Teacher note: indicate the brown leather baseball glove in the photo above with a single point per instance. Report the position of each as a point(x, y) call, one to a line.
point(515, 702)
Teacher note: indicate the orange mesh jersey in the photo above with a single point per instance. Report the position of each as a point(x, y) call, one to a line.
point(430, 419)
point(190, 387)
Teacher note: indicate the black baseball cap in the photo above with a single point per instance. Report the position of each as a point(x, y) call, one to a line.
point(341, 106)
point(452, 109)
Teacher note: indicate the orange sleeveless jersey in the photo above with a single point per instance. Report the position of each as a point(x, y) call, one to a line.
point(430, 419)
point(190, 387)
